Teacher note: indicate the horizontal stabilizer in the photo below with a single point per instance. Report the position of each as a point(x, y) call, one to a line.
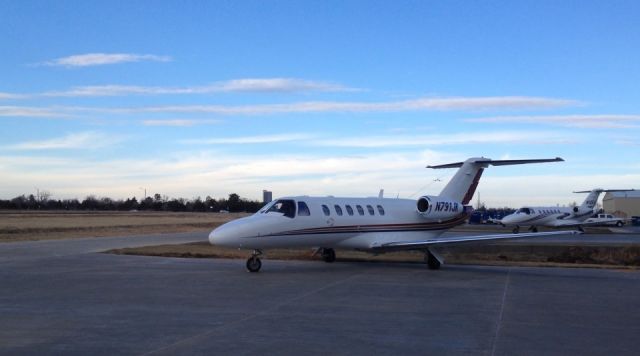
point(502, 162)
point(420, 245)
point(605, 190)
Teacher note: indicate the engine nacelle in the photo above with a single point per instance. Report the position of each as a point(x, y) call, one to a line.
point(437, 208)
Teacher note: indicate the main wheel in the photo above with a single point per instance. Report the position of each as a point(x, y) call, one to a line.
point(516, 229)
point(619, 224)
point(328, 255)
point(534, 229)
point(253, 264)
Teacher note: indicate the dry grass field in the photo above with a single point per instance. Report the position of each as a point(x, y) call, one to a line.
point(47, 225)
point(627, 257)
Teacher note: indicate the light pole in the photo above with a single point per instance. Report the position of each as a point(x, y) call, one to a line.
point(145, 192)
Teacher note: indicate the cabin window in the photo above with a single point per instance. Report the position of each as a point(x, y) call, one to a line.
point(338, 209)
point(360, 210)
point(325, 210)
point(370, 210)
point(524, 211)
point(380, 209)
point(303, 209)
point(349, 209)
point(284, 206)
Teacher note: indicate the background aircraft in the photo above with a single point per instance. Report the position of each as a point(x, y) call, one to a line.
point(554, 216)
point(375, 225)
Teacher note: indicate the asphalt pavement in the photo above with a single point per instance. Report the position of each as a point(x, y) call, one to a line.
point(65, 297)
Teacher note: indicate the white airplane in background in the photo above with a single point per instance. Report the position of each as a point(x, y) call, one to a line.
point(375, 225)
point(553, 216)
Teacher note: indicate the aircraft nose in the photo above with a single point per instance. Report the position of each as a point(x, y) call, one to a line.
point(506, 220)
point(220, 236)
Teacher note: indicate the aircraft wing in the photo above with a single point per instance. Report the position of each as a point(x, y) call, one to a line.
point(418, 245)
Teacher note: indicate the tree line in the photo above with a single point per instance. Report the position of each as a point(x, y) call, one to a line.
point(234, 203)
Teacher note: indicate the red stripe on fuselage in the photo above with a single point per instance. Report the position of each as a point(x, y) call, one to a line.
point(379, 228)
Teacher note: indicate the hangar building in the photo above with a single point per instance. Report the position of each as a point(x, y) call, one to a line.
point(626, 204)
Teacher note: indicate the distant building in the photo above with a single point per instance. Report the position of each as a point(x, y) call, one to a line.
point(625, 204)
point(267, 196)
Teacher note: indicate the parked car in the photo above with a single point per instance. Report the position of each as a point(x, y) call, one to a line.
point(605, 220)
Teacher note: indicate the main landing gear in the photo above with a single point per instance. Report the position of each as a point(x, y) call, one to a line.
point(328, 255)
point(516, 229)
point(432, 261)
point(533, 229)
point(254, 263)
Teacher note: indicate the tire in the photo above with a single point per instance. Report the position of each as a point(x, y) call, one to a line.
point(516, 229)
point(253, 264)
point(328, 255)
point(534, 229)
point(619, 224)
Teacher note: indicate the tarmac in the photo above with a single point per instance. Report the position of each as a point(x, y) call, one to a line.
point(64, 297)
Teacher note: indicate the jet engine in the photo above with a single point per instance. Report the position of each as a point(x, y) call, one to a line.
point(437, 208)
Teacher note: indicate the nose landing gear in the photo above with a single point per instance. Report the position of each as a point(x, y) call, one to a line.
point(254, 263)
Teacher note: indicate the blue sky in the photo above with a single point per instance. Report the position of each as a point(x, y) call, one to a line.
point(203, 98)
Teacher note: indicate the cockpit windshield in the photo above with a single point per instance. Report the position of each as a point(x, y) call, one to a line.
point(524, 211)
point(266, 207)
point(283, 206)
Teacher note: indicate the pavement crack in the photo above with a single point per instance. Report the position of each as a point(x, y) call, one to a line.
point(496, 334)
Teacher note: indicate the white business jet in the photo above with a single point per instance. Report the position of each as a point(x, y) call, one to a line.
point(375, 225)
point(556, 217)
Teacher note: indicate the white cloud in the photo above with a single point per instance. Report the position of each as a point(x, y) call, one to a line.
point(250, 139)
point(26, 111)
point(190, 174)
point(463, 138)
point(422, 104)
point(277, 84)
point(180, 122)
point(212, 173)
point(236, 85)
point(95, 59)
point(5, 96)
point(80, 140)
point(578, 121)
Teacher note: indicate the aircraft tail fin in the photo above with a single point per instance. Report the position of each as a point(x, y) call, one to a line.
point(591, 199)
point(464, 183)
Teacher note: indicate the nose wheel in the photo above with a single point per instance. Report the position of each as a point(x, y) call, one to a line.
point(254, 263)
